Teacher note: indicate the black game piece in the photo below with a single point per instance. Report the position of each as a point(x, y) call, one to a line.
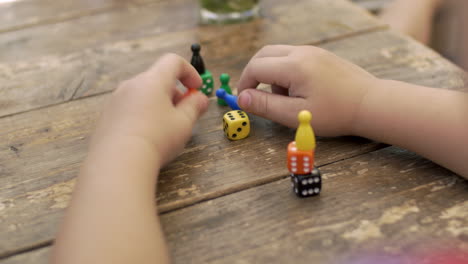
point(197, 60)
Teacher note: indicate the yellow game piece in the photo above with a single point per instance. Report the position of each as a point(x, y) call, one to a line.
point(305, 137)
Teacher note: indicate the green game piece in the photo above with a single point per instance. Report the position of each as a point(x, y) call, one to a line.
point(224, 78)
point(223, 6)
point(208, 84)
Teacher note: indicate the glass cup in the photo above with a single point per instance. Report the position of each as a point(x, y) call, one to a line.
point(228, 11)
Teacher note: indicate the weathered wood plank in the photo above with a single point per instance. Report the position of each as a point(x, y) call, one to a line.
point(131, 39)
point(125, 22)
point(44, 148)
point(388, 198)
point(75, 76)
point(391, 56)
point(18, 15)
point(39, 256)
point(372, 5)
point(42, 157)
point(385, 202)
point(280, 18)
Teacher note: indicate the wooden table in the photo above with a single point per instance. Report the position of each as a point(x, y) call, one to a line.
point(220, 201)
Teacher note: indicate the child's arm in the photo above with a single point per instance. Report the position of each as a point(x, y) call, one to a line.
point(429, 121)
point(413, 18)
point(346, 100)
point(112, 217)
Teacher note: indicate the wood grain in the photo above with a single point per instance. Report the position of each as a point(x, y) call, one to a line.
point(125, 22)
point(372, 5)
point(38, 256)
point(389, 55)
point(280, 20)
point(389, 198)
point(64, 71)
point(386, 203)
point(39, 71)
point(17, 15)
point(45, 147)
point(74, 76)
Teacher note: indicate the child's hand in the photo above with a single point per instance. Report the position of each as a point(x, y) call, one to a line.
point(317, 80)
point(148, 109)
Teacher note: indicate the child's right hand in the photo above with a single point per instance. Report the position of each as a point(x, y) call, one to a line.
point(305, 77)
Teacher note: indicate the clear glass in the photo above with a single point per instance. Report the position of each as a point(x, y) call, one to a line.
point(227, 11)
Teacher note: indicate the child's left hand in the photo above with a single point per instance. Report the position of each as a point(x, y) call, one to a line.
point(149, 109)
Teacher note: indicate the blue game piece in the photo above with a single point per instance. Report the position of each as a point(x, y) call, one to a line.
point(231, 100)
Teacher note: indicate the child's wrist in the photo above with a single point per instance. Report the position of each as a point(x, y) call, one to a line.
point(363, 119)
point(122, 148)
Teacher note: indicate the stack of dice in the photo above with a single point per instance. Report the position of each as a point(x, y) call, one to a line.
point(306, 179)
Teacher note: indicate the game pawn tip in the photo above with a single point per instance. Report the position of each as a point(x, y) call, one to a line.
point(224, 78)
point(195, 47)
point(220, 93)
point(304, 117)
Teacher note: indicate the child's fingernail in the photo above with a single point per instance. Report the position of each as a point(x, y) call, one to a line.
point(245, 99)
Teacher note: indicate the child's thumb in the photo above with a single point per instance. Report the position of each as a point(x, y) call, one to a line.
point(278, 108)
point(193, 106)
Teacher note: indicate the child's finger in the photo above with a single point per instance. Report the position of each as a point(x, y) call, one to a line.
point(279, 90)
point(281, 109)
point(178, 95)
point(268, 70)
point(193, 106)
point(274, 51)
point(172, 67)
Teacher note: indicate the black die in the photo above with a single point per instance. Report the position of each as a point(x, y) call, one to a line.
point(308, 184)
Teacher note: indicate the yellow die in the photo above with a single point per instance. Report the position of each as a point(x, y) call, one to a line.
point(236, 125)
